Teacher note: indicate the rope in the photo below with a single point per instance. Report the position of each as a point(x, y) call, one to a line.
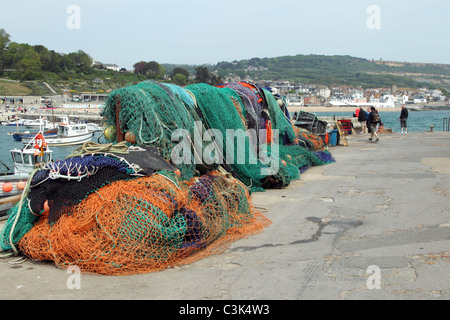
point(24, 195)
point(92, 147)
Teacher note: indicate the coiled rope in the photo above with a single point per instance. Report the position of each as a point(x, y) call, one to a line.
point(92, 147)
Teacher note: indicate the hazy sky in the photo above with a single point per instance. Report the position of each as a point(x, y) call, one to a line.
point(210, 31)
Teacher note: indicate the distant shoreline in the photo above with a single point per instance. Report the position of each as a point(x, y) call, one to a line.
point(93, 114)
point(337, 109)
point(352, 109)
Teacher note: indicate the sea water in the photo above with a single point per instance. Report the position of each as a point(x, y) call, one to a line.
point(418, 121)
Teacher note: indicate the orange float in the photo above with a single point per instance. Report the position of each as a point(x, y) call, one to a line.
point(7, 187)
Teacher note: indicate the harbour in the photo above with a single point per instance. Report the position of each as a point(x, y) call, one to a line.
point(327, 229)
point(231, 178)
point(321, 233)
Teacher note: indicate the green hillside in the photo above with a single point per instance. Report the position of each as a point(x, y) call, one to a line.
point(344, 70)
point(31, 66)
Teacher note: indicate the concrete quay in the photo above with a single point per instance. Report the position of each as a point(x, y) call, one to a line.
point(90, 115)
point(374, 225)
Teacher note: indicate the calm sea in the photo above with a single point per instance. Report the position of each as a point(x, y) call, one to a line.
point(418, 121)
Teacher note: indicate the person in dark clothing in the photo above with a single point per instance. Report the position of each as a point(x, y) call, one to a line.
point(367, 120)
point(374, 121)
point(362, 118)
point(403, 119)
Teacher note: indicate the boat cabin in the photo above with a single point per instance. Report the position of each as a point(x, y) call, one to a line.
point(25, 160)
point(71, 129)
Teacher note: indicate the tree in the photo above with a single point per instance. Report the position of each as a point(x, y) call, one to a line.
point(66, 63)
point(156, 71)
point(24, 59)
point(202, 75)
point(141, 67)
point(179, 70)
point(54, 65)
point(4, 41)
point(82, 61)
point(152, 69)
point(180, 79)
point(45, 56)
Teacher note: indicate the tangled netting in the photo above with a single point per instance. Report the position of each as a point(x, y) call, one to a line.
point(119, 229)
point(153, 111)
point(142, 212)
point(59, 182)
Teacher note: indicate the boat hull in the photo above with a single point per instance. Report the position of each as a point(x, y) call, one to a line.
point(14, 125)
point(47, 134)
point(34, 126)
point(66, 141)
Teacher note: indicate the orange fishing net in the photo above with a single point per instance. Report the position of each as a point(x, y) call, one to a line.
point(147, 224)
point(312, 140)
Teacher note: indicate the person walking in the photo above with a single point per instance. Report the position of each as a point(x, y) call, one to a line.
point(362, 118)
point(367, 120)
point(403, 119)
point(374, 121)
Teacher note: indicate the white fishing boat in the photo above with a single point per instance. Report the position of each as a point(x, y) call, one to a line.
point(93, 127)
point(69, 134)
point(25, 160)
point(36, 123)
point(14, 123)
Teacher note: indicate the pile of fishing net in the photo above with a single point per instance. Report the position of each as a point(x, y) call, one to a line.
point(141, 211)
point(151, 112)
point(135, 224)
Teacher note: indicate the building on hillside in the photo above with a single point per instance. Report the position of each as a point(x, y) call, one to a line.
point(93, 97)
point(323, 91)
point(308, 100)
point(111, 66)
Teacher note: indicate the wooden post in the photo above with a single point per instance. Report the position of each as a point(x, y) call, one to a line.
point(119, 134)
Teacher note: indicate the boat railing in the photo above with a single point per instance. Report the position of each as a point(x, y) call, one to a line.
point(446, 124)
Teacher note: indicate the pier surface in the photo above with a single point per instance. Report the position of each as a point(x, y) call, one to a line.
point(373, 225)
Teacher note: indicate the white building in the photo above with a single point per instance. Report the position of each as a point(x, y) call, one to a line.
point(325, 92)
point(113, 67)
point(420, 99)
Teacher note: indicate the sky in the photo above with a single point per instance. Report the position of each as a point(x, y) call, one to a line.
point(208, 31)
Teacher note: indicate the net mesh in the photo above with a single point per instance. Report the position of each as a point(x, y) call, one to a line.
point(119, 229)
point(106, 215)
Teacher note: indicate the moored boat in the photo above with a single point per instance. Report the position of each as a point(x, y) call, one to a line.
point(18, 136)
point(35, 123)
point(25, 160)
point(68, 134)
point(14, 123)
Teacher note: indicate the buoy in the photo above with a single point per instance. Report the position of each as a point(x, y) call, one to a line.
point(7, 187)
point(21, 185)
point(110, 133)
point(130, 137)
point(46, 207)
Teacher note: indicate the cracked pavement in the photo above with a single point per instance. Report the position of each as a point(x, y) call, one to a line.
point(383, 205)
